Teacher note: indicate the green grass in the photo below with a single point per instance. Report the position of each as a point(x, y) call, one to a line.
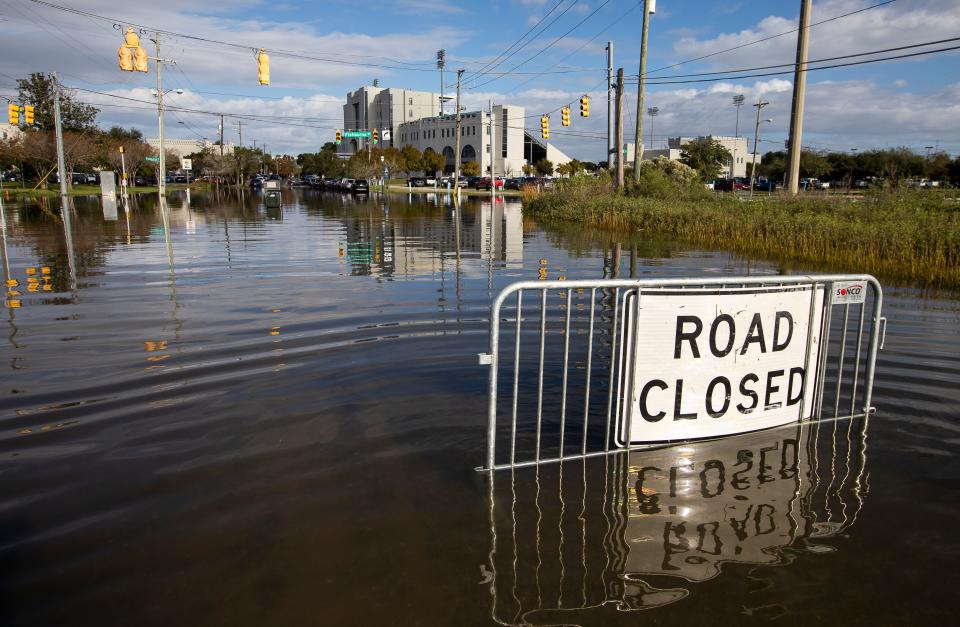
point(92, 190)
point(909, 237)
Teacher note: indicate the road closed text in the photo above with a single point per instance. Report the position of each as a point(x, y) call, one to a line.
point(712, 364)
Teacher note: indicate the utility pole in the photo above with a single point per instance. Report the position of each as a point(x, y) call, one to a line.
point(638, 137)
point(756, 140)
point(620, 156)
point(221, 135)
point(611, 154)
point(61, 162)
point(493, 160)
point(162, 179)
point(737, 102)
point(799, 94)
point(456, 157)
point(240, 131)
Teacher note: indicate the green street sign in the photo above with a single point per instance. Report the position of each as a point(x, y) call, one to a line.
point(154, 159)
point(357, 134)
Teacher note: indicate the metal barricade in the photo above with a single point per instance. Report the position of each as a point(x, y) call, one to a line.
point(571, 392)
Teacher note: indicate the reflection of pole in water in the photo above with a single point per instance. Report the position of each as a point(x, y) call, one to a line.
point(164, 212)
point(5, 258)
point(66, 211)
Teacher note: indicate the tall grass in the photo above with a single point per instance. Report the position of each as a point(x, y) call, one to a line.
point(910, 237)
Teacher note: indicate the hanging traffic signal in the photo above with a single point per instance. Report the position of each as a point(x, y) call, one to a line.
point(339, 138)
point(140, 60)
point(125, 59)
point(263, 67)
point(375, 135)
point(565, 116)
point(545, 126)
point(13, 114)
point(585, 107)
point(28, 115)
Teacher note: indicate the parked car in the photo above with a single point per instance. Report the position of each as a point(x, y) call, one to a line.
point(417, 181)
point(346, 185)
point(484, 183)
point(514, 183)
point(180, 179)
point(256, 182)
point(431, 180)
point(731, 185)
point(763, 184)
point(360, 186)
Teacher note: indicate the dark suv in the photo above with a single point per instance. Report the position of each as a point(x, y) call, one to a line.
point(360, 186)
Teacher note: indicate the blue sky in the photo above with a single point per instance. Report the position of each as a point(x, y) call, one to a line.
point(912, 102)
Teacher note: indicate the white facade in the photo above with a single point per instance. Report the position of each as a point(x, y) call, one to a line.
point(9, 131)
point(439, 134)
point(385, 109)
point(184, 147)
point(736, 146)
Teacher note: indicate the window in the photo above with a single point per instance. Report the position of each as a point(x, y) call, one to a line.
point(503, 135)
point(411, 102)
point(411, 113)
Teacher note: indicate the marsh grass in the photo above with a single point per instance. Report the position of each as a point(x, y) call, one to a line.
point(908, 237)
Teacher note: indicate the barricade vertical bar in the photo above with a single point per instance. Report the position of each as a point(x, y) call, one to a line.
point(806, 355)
point(516, 379)
point(843, 351)
point(872, 351)
point(824, 344)
point(586, 399)
point(856, 364)
point(629, 382)
point(543, 337)
point(566, 361)
point(613, 363)
point(623, 318)
point(494, 358)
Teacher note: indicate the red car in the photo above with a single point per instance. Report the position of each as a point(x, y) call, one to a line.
point(484, 183)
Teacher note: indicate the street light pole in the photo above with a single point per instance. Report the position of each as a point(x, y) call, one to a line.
point(756, 141)
point(162, 179)
point(737, 102)
point(653, 112)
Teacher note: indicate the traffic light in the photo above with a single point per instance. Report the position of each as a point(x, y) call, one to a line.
point(28, 115)
point(339, 137)
point(13, 114)
point(124, 59)
point(375, 136)
point(263, 67)
point(585, 107)
point(140, 60)
point(545, 126)
point(565, 116)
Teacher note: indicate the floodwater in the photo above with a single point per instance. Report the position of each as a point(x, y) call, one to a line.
point(273, 417)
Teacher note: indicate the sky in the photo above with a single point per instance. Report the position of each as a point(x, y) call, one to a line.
point(540, 54)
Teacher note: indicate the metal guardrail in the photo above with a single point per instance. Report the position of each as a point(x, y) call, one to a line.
point(569, 392)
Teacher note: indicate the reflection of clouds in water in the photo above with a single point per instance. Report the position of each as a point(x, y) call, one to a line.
point(592, 533)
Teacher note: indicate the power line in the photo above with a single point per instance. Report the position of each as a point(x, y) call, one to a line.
point(763, 39)
point(545, 48)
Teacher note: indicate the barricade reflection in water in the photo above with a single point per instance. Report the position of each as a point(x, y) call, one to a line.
point(639, 530)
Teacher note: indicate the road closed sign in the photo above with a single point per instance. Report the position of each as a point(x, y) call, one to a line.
point(710, 363)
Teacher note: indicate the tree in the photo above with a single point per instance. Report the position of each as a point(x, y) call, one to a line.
point(938, 167)
point(135, 150)
point(38, 89)
point(410, 159)
point(471, 168)
point(527, 169)
point(706, 156)
point(360, 166)
point(544, 167)
point(432, 161)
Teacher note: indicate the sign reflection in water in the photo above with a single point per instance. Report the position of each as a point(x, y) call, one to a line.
point(639, 530)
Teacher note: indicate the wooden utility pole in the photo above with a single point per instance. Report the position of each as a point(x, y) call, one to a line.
point(456, 156)
point(610, 130)
point(61, 162)
point(620, 155)
point(221, 135)
point(799, 94)
point(638, 136)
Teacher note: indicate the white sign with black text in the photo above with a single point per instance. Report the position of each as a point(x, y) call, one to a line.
point(712, 363)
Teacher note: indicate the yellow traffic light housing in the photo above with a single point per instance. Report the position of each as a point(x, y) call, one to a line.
point(124, 59)
point(565, 116)
point(263, 67)
point(545, 126)
point(339, 138)
point(375, 135)
point(28, 115)
point(585, 107)
point(13, 114)
point(140, 60)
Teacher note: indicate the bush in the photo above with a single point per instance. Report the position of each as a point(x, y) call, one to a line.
point(666, 179)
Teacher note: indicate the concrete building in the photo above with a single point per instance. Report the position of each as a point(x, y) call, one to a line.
point(385, 108)
point(736, 146)
point(439, 134)
point(184, 147)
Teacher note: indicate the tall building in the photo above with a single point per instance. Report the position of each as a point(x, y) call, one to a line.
point(384, 108)
point(184, 147)
point(439, 134)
